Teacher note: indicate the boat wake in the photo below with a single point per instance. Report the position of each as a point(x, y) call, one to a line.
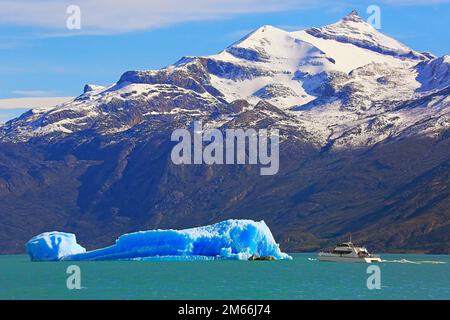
point(405, 261)
point(414, 262)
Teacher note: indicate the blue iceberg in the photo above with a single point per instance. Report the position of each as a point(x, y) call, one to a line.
point(53, 246)
point(230, 239)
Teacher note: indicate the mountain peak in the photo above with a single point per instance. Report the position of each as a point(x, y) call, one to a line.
point(352, 29)
point(353, 16)
point(265, 31)
point(262, 44)
point(267, 27)
point(92, 87)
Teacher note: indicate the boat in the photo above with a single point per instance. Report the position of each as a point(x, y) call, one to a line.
point(348, 252)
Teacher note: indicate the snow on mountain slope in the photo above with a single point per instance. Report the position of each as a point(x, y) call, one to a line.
point(92, 87)
point(347, 56)
point(353, 43)
point(279, 57)
point(434, 74)
point(354, 30)
point(345, 84)
point(289, 59)
point(118, 107)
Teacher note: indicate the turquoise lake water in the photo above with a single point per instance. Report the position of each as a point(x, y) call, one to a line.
point(402, 277)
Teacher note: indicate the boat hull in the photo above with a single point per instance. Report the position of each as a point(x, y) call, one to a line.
point(349, 259)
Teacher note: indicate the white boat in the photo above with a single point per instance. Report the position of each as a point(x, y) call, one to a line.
point(348, 252)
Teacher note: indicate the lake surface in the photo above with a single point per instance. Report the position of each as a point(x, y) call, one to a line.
point(402, 277)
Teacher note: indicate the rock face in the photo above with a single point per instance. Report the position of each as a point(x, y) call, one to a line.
point(262, 258)
point(92, 87)
point(364, 124)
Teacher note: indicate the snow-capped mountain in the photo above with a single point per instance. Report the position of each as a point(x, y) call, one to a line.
point(353, 30)
point(365, 130)
point(334, 82)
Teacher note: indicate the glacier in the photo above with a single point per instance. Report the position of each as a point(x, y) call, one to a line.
point(230, 239)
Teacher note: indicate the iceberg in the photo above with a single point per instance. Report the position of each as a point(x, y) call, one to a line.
point(53, 246)
point(230, 239)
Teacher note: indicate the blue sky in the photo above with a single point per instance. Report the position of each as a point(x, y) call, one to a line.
point(40, 57)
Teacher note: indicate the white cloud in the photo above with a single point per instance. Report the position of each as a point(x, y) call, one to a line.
point(28, 103)
point(101, 17)
point(12, 108)
point(34, 93)
point(116, 16)
point(414, 2)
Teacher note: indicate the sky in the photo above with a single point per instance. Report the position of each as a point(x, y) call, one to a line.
point(41, 57)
